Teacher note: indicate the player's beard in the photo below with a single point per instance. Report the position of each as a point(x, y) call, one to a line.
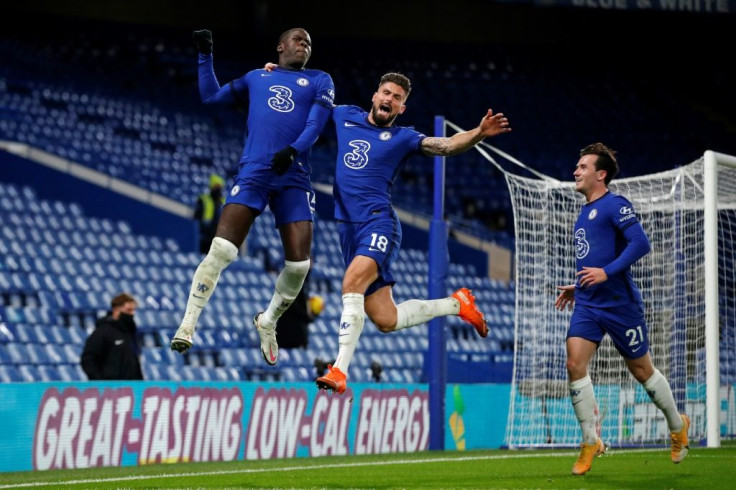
point(380, 118)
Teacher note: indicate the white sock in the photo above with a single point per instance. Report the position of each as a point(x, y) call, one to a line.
point(288, 285)
point(660, 393)
point(415, 311)
point(351, 325)
point(583, 402)
point(221, 254)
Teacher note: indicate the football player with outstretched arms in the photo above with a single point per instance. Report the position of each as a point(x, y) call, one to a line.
point(371, 151)
point(608, 240)
point(287, 110)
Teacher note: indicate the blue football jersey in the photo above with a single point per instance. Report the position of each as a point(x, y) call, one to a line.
point(599, 240)
point(368, 160)
point(279, 105)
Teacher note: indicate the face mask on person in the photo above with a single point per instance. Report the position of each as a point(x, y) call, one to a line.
point(126, 320)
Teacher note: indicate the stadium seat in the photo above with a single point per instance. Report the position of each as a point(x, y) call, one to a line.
point(30, 373)
point(78, 335)
point(71, 353)
point(69, 372)
point(49, 373)
point(233, 357)
point(5, 357)
point(10, 374)
point(58, 335)
point(154, 372)
point(151, 355)
point(54, 355)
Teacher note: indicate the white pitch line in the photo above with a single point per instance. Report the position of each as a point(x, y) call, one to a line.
point(319, 467)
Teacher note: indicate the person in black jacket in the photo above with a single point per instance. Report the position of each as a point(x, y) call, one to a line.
point(111, 350)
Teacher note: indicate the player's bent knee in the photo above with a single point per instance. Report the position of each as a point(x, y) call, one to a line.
point(222, 253)
point(384, 323)
point(297, 269)
point(385, 327)
point(576, 369)
point(641, 373)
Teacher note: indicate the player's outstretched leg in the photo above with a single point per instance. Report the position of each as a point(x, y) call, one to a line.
point(470, 312)
point(587, 453)
point(335, 380)
point(680, 443)
point(221, 254)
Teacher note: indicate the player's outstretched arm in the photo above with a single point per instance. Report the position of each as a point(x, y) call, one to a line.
point(210, 91)
point(566, 297)
point(203, 40)
point(491, 125)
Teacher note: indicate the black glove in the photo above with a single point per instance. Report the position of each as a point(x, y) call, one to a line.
point(203, 40)
point(282, 160)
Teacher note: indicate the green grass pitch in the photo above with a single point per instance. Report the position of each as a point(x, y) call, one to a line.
point(547, 469)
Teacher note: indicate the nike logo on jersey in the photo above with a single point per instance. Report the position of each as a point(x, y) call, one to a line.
point(634, 350)
point(373, 249)
point(265, 74)
point(349, 125)
point(119, 342)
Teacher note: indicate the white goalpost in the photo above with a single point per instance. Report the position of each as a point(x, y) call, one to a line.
point(688, 284)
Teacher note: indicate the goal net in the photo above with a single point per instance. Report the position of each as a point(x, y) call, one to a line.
point(671, 277)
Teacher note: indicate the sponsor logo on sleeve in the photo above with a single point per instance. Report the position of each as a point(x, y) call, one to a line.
point(626, 213)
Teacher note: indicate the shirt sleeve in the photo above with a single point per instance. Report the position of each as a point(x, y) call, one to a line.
point(416, 142)
point(210, 90)
point(637, 242)
point(325, 91)
point(318, 116)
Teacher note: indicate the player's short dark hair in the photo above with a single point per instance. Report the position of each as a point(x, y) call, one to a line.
point(121, 299)
point(399, 79)
point(606, 159)
point(284, 35)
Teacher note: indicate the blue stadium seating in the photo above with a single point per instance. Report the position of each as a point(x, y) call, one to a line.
point(52, 293)
point(146, 135)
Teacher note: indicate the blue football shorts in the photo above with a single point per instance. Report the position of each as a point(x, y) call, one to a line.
point(624, 324)
point(290, 196)
point(378, 238)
